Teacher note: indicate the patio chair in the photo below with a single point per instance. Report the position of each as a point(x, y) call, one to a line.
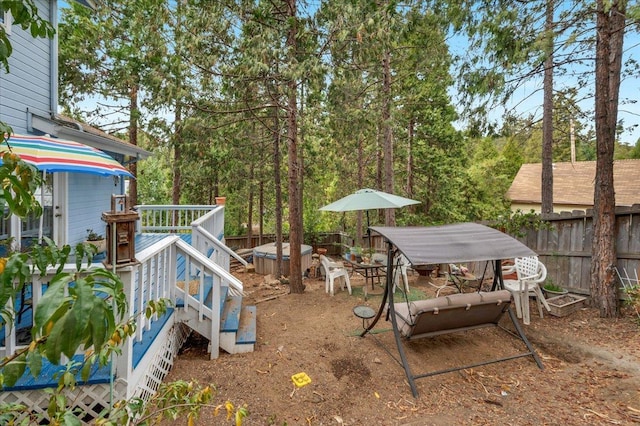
point(333, 270)
point(401, 265)
point(530, 272)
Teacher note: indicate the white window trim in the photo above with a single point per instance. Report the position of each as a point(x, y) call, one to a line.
point(6, 24)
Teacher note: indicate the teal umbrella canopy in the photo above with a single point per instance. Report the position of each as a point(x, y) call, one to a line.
point(367, 199)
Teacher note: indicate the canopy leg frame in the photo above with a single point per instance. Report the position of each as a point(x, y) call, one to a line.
point(411, 378)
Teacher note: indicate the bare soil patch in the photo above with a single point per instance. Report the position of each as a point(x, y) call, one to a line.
point(591, 370)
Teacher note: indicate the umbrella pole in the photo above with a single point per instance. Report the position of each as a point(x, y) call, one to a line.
point(369, 232)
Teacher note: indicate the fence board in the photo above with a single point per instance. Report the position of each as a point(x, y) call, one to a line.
point(566, 248)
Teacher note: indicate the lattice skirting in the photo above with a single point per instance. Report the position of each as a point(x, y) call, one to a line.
point(162, 362)
point(93, 399)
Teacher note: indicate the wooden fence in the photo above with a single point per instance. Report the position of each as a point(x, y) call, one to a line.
point(565, 248)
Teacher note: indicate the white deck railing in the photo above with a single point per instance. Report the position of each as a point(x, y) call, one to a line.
point(172, 218)
point(156, 276)
point(207, 236)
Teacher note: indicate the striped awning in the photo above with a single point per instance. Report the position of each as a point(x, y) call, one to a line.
point(59, 155)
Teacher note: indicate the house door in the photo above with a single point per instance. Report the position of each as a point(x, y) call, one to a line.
point(52, 197)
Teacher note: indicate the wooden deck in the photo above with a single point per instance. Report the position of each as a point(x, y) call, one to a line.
point(48, 378)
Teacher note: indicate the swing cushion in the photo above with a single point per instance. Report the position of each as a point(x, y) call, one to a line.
point(449, 314)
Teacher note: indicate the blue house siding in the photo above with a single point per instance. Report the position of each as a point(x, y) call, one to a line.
point(28, 84)
point(28, 99)
point(88, 199)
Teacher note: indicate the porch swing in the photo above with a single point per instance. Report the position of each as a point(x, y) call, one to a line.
point(466, 242)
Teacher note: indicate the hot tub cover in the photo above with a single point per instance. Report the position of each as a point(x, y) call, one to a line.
point(457, 243)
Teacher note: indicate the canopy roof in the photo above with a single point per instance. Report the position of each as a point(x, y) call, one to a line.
point(457, 243)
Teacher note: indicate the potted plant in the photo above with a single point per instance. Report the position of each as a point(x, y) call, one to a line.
point(552, 290)
point(356, 253)
point(97, 240)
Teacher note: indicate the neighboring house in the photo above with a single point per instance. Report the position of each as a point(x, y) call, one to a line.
point(573, 185)
point(28, 103)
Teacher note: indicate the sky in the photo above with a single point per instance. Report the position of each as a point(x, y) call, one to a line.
point(528, 99)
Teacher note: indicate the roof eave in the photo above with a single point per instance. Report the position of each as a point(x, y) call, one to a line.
point(53, 128)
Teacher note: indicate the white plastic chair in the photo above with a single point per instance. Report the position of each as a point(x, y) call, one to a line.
point(530, 272)
point(402, 265)
point(333, 270)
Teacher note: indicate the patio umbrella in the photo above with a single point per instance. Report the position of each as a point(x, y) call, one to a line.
point(367, 199)
point(58, 155)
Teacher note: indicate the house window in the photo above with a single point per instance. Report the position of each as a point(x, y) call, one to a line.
point(5, 20)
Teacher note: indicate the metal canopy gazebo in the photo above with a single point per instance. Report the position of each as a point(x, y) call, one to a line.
point(457, 243)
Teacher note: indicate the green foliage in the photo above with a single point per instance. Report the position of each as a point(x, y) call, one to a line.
point(153, 179)
point(631, 289)
point(551, 286)
point(519, 222)
point(19, 182)
point(93, 236)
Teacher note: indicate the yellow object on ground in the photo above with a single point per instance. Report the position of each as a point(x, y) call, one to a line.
point(301, 379)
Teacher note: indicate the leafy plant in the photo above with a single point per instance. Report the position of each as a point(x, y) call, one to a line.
point(94, 236)
point(633, 298)
point(519, 222)
point(550, 286)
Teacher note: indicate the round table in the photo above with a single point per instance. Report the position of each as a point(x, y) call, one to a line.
point(364, 312)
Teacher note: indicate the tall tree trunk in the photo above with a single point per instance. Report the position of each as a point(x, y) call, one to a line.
point(261, 213)
point(389, 214)
point(547, 117)
point(177, 155)
point(278, 185)
point(176, 186)
point(610, 23)
point(134, 113)
point(295, 169)
point(250, 206)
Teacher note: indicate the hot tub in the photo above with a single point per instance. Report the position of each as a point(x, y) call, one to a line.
point(264, 258)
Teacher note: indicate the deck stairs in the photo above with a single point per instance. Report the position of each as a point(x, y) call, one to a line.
point(237, 325)
point(237, 328)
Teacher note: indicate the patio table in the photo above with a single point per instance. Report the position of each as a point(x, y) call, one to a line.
point(370, 271)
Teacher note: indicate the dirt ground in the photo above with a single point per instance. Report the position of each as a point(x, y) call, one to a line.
point(591, 374)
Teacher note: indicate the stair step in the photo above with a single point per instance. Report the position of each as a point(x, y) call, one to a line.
point(246, 334)
point(208, 285)
point(230, 317)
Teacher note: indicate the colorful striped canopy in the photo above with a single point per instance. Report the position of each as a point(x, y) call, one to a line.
point(59, 155)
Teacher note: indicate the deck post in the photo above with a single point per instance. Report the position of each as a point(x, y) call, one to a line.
point(124, 362)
